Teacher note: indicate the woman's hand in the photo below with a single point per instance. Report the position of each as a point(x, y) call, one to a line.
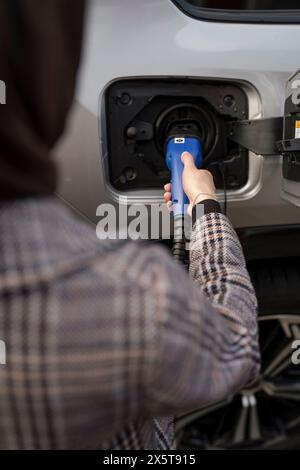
point(197, 184)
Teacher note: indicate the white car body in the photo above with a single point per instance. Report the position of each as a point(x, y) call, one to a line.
point(147, 38)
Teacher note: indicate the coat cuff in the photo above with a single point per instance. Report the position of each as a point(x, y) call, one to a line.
point(208, 206)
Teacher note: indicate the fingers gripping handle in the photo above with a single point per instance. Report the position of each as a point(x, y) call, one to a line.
point(176, 146)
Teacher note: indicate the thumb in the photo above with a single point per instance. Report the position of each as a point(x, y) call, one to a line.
point(188, 161)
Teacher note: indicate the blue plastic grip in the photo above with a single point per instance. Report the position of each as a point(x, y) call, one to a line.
point(175, 148)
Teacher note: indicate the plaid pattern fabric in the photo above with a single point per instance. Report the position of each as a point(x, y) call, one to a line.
point(103, 337)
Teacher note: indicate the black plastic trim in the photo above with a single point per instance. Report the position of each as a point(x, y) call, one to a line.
point(136, 151)
point(270, 242)
point(259, 135)
point(238, 16)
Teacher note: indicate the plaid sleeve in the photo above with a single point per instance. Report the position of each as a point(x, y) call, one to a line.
point(207, 340)
point(103, 337)
point(217, 263)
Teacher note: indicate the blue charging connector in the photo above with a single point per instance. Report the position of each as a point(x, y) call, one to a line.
point(176, 146)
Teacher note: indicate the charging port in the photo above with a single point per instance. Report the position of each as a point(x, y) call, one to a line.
point(188, 117)
point(141, 113)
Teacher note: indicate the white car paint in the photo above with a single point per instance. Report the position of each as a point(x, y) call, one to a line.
point(154, 38)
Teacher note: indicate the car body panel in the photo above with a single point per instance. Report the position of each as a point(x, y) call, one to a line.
point(153, 38)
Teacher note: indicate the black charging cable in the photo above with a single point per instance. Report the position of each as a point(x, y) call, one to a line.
point(223, 171)
point(179, 243)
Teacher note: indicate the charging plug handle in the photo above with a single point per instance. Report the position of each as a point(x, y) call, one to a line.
point(176, 146)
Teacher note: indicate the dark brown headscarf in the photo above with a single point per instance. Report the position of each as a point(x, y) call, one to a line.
point(40, 44)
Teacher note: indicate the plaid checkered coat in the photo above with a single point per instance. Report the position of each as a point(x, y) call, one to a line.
point(106, 340)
